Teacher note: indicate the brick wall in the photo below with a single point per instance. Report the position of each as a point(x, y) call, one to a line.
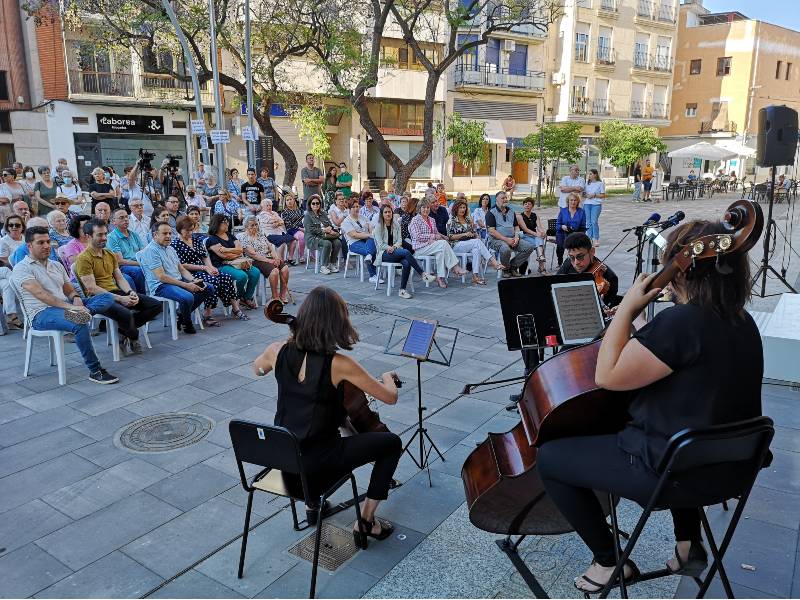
point(12, 57)
point(52, 61)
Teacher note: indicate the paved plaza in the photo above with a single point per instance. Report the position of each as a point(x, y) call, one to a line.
point(82, 517)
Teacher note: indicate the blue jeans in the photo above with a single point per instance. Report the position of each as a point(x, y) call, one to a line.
point(135, 277)
point(637, 190)
point(187, 301)
point(593, 220)
point(405, 258)
point(53, 318)
point(246, 281)
point(366, 248)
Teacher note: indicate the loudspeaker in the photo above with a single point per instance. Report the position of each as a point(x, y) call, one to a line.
point(777, 136)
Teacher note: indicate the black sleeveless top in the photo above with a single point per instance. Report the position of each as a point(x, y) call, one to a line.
point(311, 409)
point(530, 222)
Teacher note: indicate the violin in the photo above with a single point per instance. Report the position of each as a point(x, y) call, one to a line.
point(597, 268)
point(560, 399)
point(361, 418)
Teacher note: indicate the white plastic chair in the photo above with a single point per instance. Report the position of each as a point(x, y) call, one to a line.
point(359, 264)
point(55, 341)
point(428, 260)
point(391, 271)
point(316, 259)
point(463, 259)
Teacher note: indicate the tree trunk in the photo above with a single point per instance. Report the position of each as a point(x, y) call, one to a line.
point(279, 145)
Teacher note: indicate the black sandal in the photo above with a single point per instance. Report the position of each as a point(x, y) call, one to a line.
point(361, 536)
point(598, 587)
point(695, 564)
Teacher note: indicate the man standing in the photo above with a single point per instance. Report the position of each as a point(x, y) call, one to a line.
point(647, 180)
point(252, 192)
point(200, 173)
point(172, 205)
point(312, 179)
point(570, 183)
point(98, 272)
point(125, 243)
point(344, 182)
point(268, 183)
point(51, 302)
point(504, 237)
point(166, 277)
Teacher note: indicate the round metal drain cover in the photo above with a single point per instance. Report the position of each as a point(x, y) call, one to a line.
point(161, 433)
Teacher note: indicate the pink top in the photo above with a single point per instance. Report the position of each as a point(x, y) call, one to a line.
point(422, 231)
point(68, 252)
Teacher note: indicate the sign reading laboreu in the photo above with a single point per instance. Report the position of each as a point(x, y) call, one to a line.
point(109, 123)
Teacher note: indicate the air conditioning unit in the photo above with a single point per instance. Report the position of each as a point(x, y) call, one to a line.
point(509, 45)
point(558, 78)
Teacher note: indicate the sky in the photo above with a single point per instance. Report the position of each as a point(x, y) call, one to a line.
point(780, 12)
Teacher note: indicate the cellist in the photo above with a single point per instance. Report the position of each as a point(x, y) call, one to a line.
point(581, 258)
point(680, 366)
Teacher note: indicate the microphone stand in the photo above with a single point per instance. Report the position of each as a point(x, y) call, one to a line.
point(638, 231)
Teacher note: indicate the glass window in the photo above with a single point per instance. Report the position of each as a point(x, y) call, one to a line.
point(695, 66)
point(3, 86)
point(518, 60)
point(778, 69)
point(691, 110)
point(788, 71)
point(724, 65)
point(470, 57)
point(484, 168)
point(5, 121)
point(493, 52)
point(402, 57)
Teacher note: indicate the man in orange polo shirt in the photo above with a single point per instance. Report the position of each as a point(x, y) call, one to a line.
point(647, 180)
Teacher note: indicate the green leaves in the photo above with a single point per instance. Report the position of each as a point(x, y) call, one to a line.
point(562, 142)
point(311, 122)
point(467, 139)
point(624, 143)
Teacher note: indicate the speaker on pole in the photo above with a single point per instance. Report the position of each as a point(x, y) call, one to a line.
point(777, 136)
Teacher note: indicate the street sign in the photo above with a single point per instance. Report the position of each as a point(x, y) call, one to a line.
point(220, 136)
point(248, 134)
point(198, 127)
point(243, 106)
point(114, 123)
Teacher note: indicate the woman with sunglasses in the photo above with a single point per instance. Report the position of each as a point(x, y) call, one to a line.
point(13, 239)
point(321, 235)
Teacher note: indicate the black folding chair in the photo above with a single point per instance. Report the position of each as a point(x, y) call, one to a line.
point(278, 451)
point(702, 455)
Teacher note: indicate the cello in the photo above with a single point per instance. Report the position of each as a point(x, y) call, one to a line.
point(560, 399)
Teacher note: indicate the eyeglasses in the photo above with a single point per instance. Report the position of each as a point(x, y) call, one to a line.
point(314, 203)
point(577, 257)
point(15, 225)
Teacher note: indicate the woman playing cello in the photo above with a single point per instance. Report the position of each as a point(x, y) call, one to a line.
point(309, 369)
point(677, 364)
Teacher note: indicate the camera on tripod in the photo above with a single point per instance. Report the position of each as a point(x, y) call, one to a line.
point(145, 159)
point(173, 162)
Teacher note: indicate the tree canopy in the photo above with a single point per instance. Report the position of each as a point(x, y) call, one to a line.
point(625, 143)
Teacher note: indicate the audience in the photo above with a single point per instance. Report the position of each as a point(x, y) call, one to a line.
point(227, 255)
point(196, 217)
point(102, 211)
point(321, 235)
point(166, 277)
point(464, 240)
point(228, 206)
point(21, 209)
point(68, 252)
point(160, 215)
point(272, 225)
point(406, 214)
point(259, 248)
point(338, 211)
point(293, 221)
point(125, 243)
point(51, 302)
point(358, 234)
point(59, 235)
point(22, 251)
point(268, 183)
point(252, 192)
point(479, 214)
point(531, 230)
point(101, 190)
point(570, 219)
point(427, 241)
point(389, 248)
point(172, 204)
point(138, 222)
point(13, 239)
point(98, 272)
point(440, 215)
point(69, 188)
point(504, 238)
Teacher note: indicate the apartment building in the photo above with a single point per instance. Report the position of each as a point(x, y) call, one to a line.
point(727, 67)
point(611, 59)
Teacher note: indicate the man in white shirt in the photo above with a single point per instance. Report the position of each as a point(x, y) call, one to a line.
point(358, 233)
point(137, 221)
point(571, 183)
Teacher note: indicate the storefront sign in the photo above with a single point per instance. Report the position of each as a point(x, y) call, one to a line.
point(130, 124)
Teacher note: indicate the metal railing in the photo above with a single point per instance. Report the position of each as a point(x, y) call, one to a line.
point(645, 9)
point(166, 86)
point(100, 83)
point(659, 111)
point(666, 13)
point(587, 106)
point(652, 62)
point(581, 52)
point(717, 126)
point(601, 106)
point(638, 109)
point(657, 12)
point(608, 5)
point(605, 55)
point(490, 75)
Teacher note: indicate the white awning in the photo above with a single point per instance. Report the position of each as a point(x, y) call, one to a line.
point(736, 146)
point(703, 150)
point(494, 132)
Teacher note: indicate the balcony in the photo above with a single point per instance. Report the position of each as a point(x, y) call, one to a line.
point(491, 76)
point(598, 107)
point(101, 83)
point(638, 109)
point(659, 111)
point(581, 52)
point(652, 62)
point(165, 86)
point(601, 107)
point(605, 56)
point(608, 5)
point(149, 86)
point(655, 111)
point(663, 13)
point(717, 126)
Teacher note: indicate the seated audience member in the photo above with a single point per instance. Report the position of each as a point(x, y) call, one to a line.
point(479, 214)
point(80, 240)
point(258, 248)
point(273, 227)
point(196, 218)
point(13, 239)
point(21, 209)
point(504, 238)
point(570, 219)
point(389, 248)
point(98, 272)
point(440, 215)
point(581, 256)
point(358, 234)
point(124, 243)
point(321, 235)
point(369, 211)
point(228, 206)
point(52, 303)
point(160, 215)
point(210, 190)
point(427, 241)
point(227, 255)
point(22, 250)
point(173, 213)
point(531, 231)
point(59, 235)
point(166, 277)
point(293, 221)
point(191, 250)
point(195, 198)
point(406, 214)
point(62, 205)
point(338, 211)
point(102, 211)
point(138, 222)
point(464, 240)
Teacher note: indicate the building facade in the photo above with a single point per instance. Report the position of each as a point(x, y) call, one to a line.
point(727, 68)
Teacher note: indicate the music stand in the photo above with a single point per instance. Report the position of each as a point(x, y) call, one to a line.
point(418, 343)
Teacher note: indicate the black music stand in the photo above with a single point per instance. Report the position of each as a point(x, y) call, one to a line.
point(419, 342)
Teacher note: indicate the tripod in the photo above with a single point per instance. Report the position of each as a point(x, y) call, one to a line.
point(765, 267)
point(422, 432)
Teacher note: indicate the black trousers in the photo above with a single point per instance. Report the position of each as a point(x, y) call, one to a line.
point(329, 463)
point(130, 319)
point(571, 468)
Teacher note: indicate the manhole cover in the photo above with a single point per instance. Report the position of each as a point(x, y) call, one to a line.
point(336, 547)
point(160, 433)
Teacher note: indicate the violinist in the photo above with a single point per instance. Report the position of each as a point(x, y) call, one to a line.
point(309, 369)
point(678, 370)
point(582, 259)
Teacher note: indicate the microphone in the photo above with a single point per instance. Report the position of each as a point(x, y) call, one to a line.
point(652, 220)
point(672, 220)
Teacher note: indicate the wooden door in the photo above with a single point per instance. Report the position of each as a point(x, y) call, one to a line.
point(519, 170)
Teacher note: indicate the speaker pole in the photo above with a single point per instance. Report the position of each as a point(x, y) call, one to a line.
point(765, 266)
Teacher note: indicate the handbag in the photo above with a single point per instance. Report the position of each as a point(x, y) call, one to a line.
point(241, 262)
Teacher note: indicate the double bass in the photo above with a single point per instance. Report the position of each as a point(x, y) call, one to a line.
point(560, 399)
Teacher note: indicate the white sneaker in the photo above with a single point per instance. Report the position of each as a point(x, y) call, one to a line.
point(404, 294)
point(368, 258)
point(428, 278)
point(324, 270)
point(335, 269)
point(374, 279)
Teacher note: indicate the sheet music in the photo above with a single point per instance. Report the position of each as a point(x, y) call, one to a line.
point(578, 310)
